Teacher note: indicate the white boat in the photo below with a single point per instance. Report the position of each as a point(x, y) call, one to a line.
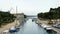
point(48, 28)
point(45, 26)
point(18, 27)
point(13, 29)
point(5, 31)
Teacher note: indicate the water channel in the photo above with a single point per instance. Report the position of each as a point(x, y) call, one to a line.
point(30, 27)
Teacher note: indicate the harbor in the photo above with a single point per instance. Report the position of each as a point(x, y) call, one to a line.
point(50, 27)
point(14, 26)
point(31, 27)
point(29, 16)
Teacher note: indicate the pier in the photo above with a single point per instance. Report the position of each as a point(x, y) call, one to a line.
point(57, 30)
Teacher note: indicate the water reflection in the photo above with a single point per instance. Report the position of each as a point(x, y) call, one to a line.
point(30, 27)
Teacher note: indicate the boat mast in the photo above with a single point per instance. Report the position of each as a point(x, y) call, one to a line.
point(16, 16)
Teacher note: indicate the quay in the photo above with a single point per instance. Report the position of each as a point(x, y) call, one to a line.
point(57, 30)
point(30, 27)
point(17, 22)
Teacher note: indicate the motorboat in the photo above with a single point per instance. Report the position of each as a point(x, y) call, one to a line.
point(5, 31)
point(13, 29)
point(18, 27)
point(48, 28)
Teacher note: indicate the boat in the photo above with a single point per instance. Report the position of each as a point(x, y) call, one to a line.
point(12, 29)
point(32, 20)
point(5, 31)
point(48, 29)
point(45, 26)
point(18, 27)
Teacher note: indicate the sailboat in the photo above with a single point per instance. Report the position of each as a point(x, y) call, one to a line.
point(14, 28)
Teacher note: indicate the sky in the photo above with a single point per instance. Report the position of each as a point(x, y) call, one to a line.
point(29, 7)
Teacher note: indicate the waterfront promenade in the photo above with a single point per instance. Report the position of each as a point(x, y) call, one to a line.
point(30, 27)
point(19, 19)
point(56, 29)
point(8, 26)
point(53, 28)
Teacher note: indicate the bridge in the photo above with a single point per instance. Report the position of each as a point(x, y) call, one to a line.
point(31, 16)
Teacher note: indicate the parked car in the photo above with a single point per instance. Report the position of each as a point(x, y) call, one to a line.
point(56, 25)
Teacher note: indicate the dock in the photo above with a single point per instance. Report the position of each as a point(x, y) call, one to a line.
point(57, 30)
point(17, 22)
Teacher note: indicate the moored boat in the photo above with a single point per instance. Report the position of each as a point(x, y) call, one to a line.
point(12, 29)
point(48, 29)
point(5, 31)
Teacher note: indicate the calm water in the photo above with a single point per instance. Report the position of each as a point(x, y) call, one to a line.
point(31, 28)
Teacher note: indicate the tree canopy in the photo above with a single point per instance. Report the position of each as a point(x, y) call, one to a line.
point(6, 17)
point(54, 13)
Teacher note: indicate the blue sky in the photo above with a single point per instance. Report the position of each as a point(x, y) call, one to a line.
point(29, 7)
